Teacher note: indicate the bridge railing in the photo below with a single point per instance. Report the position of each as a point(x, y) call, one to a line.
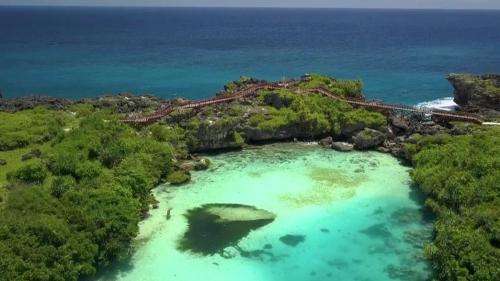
point(165, 110)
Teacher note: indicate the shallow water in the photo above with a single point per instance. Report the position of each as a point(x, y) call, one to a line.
point(339, 216)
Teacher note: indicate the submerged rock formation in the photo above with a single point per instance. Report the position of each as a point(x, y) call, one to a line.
point(292, 240)
point(214, 227)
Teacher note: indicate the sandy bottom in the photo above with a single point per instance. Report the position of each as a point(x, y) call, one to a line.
point(351, 216)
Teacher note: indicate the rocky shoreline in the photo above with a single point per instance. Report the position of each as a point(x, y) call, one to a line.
point(392, 138)
point(91, 163)
point(474, 94)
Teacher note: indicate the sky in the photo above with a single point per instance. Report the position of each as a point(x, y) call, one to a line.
point(418, 4)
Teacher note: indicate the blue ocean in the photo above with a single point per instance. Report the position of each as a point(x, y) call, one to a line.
point(401, 55)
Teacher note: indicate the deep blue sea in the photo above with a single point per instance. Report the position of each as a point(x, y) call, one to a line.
point(401, 55)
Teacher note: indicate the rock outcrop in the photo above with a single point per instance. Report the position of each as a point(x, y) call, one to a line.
point(479, 94)
point(368, 138)
point(216, 134)
point(326, 142)
point(121, 103)
point(342, 146)
point(127, 103)
point(29, 102)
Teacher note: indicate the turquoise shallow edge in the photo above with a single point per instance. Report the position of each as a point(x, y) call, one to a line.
point(355, 211)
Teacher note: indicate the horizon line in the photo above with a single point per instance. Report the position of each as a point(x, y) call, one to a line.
point(254, 7)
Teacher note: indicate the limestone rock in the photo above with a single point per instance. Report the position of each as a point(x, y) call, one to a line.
point(476, 93)
point(399, 124)
point(187, 166)
point(349, 130)
point(29, 102)
point(368, 138)
point(326, 142)
point(342, 146)
point(217, 134)
point(202, 164)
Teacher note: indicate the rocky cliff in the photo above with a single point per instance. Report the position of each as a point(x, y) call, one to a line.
point(480, 94)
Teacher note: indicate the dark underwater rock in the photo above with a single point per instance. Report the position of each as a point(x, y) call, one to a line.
point(292, 240)
point(268, 247)
point(407, 215)
point(3, 162)
point(214, 227)
point(379, 230)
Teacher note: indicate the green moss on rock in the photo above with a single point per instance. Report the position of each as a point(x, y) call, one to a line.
point(179, 177)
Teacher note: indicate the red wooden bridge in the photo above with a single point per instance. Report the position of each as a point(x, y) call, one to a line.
point(445, 115)
point(253, 89)
point(165, 111)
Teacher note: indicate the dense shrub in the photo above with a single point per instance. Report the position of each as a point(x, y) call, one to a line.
point(315, 114)
point(163, 133)
point(33, 173)
point(37, 243)
point(101, 175)
point(461, 176)
point(346, 88)
point(60, 185)
point(29, 126)
point(369, 119)
point(178, 177)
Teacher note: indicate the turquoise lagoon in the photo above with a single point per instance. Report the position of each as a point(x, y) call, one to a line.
point(344, 216)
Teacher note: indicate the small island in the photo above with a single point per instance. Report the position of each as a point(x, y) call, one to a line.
point(76, 177)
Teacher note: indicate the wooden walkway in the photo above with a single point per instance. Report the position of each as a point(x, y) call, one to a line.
point(384, 106)
point(253, 89)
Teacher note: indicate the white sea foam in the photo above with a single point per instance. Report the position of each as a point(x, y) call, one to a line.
point(443, 104)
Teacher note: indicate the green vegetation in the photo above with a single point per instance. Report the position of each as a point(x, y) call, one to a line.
point(461, 177)
point(370, 119)
point(234, 85)
point(346, 88)
point(178, 177)
point(35, 173)
point(29, 127)
point(491, 87)
point(75, 209)
point(312, 113)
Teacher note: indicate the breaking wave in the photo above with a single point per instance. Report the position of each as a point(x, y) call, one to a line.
point(443, 104)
